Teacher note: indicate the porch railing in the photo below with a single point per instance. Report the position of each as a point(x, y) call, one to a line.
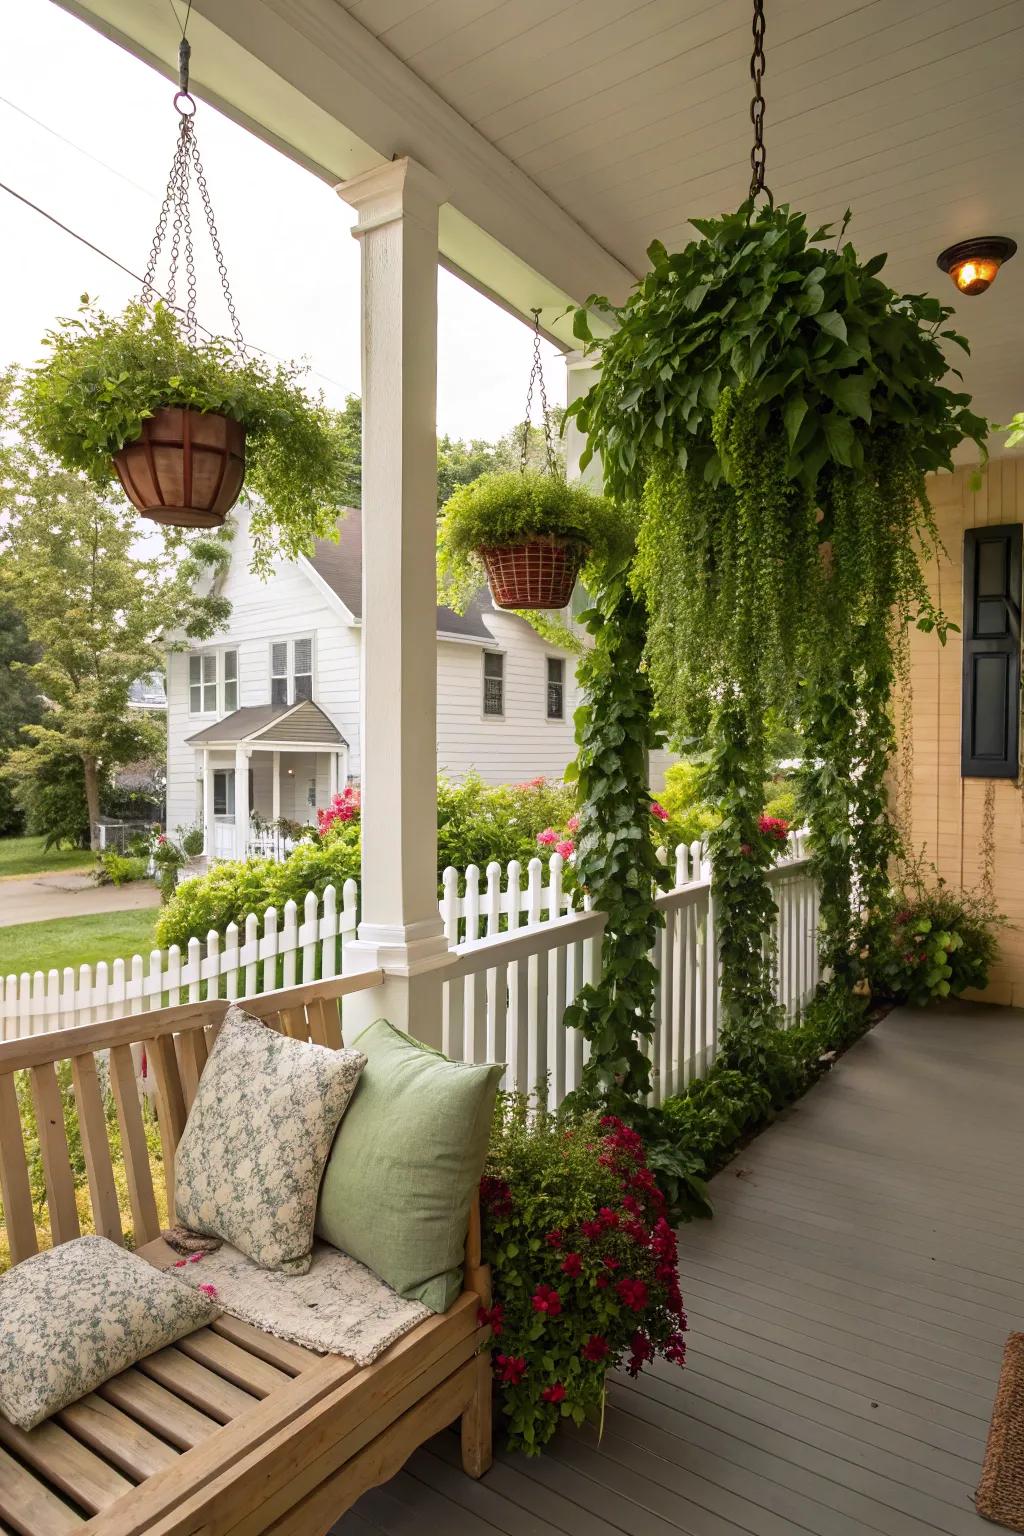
point(524, 947)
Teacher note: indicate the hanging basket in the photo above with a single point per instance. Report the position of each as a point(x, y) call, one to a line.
point(186, 469)
point(539, 573)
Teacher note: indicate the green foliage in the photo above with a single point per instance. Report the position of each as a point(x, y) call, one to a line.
point(480, 823)
point(936, 942)
point(691, 818)
point(20, 703)
point(105, 375)
point(820, 342)
point(507, 507)
point(583, 1265)
point(1015, 427)
point(119, 869)
point(616, 858)
point(46, 781)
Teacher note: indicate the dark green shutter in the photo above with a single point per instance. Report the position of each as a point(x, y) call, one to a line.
point(990, 725)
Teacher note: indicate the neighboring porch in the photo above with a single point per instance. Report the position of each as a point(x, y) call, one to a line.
point(261, 774)
point(848, 1308)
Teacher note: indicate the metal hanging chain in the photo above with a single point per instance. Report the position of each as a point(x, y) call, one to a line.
point(537, 377)
point(758, 154)
point(176, 209)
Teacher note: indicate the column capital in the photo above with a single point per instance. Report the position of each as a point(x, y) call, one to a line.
point(398, 189)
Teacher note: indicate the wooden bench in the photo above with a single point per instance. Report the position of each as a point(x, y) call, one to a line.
point(229, 1432)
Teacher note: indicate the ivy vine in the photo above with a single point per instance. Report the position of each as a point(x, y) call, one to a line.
point(616, 858)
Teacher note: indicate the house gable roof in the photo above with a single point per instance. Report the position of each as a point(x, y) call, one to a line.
point(302, 724)
point(340, 567)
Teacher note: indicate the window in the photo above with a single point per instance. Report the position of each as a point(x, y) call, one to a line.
point(556, 688)
point(223, 791)
point(213, 682)
point(990, 744)
point(279, 672)
point(494, 684)
point(202, 683)
point(230, 681)
point(302, 670)
point(291, 671)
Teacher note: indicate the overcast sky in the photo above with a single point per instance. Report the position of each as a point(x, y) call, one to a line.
point(87, 132)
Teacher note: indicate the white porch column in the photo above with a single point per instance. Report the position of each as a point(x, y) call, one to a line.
point(332, 772)
point(209, 843)
point(400, 929)
point(275, 768)
point(580, 373)
point(241, 801)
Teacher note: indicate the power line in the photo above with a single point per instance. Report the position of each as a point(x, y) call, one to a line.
point(141, 281)
point(79, 149)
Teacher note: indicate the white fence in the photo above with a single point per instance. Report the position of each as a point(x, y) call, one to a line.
point(524, 948)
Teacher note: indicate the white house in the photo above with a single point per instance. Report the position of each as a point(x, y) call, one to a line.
point(265, 717)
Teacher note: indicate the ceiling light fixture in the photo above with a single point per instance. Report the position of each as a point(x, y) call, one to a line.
point(973, 264)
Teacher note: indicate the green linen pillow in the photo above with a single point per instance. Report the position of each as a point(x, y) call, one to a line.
point(406, 1162)
point(74, 1316)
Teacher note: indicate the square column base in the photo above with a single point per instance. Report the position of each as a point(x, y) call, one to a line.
point(415, 965)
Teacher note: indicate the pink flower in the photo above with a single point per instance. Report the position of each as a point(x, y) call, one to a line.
point(548, 837)
point(194, 1258)
point(659, 811)
point(573, 824)
point(208, 1289)
point(180, 1263)
point(554, 1394)
point(566, 848)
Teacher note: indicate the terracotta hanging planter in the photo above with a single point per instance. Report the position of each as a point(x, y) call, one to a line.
point(538, 573)
point(187, 468)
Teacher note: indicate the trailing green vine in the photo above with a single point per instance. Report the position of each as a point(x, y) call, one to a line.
point(616, 859)
point(772, 406)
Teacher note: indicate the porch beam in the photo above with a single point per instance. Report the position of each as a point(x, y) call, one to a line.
point(208, 847)
point(400, 931)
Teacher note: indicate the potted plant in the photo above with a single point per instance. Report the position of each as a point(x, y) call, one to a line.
point(529, 534)
point(182, 422)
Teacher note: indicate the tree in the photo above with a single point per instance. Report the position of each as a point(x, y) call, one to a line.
point(348, 425)
point(20, 704)
point(100, 611)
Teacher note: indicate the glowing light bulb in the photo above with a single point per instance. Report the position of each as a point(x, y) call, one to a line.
point(973, 264)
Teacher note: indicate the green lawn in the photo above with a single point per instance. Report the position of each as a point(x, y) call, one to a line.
point(25, 856)
point(77, 941)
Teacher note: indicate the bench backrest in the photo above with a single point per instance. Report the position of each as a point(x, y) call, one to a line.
point(175, 1043)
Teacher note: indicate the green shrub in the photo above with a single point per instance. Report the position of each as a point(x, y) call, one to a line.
point(938, 942)
point(120, 869)
point(479, 823)
point(506, 507)
point(583, 1263)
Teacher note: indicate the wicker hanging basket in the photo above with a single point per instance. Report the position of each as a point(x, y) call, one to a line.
point(187, 468)
point(539, 573)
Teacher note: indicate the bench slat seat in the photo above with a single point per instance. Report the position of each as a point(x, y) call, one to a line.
point(230, 1431)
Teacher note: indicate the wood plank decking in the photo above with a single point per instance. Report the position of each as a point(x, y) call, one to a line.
point(848, 1307)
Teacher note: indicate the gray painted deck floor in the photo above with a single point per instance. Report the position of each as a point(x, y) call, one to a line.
point(848, 1308)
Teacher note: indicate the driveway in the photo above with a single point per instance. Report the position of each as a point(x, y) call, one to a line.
point(36, 898)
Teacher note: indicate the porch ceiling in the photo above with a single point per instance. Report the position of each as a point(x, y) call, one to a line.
point(572, 132)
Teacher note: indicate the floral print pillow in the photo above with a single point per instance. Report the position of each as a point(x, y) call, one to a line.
point(75, 1316)
point(252, 1155)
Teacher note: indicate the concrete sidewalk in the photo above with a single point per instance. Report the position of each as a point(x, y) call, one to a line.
point(68, 893)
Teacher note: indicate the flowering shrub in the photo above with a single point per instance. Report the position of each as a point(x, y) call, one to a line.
point(583, 1262)
point(344, 807)
point(775, 827)
point(939, 943)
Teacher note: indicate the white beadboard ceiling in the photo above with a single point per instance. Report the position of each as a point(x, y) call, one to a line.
point(632, 115)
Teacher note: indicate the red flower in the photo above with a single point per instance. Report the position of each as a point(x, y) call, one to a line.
point(631, 1204)
point(602, 1282)
point(595, 1349)
point(546, 1299)
point(746, 850)
point(610, 1263)
point(510, 1369)
point(675, 1350)
point(659, 811)
point(609, 1218)
point(641, 1353)
point(496, 1196)
point(491, 1318)
point(632, 1294)
point(553, 1239)
point(904, 916)
point(572, 1265)
point(592, 1229)
point(774, 827)
point(636, 1230)
point(555, 1394)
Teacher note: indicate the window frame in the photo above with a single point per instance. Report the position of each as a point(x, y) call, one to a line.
point(559, 662)
point(290, 675)
point(214, 656)
point(500, 657)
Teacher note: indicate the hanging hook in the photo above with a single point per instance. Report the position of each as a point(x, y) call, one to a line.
point(182, 94)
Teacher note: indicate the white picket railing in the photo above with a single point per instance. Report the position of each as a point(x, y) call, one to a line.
point(523, 948)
